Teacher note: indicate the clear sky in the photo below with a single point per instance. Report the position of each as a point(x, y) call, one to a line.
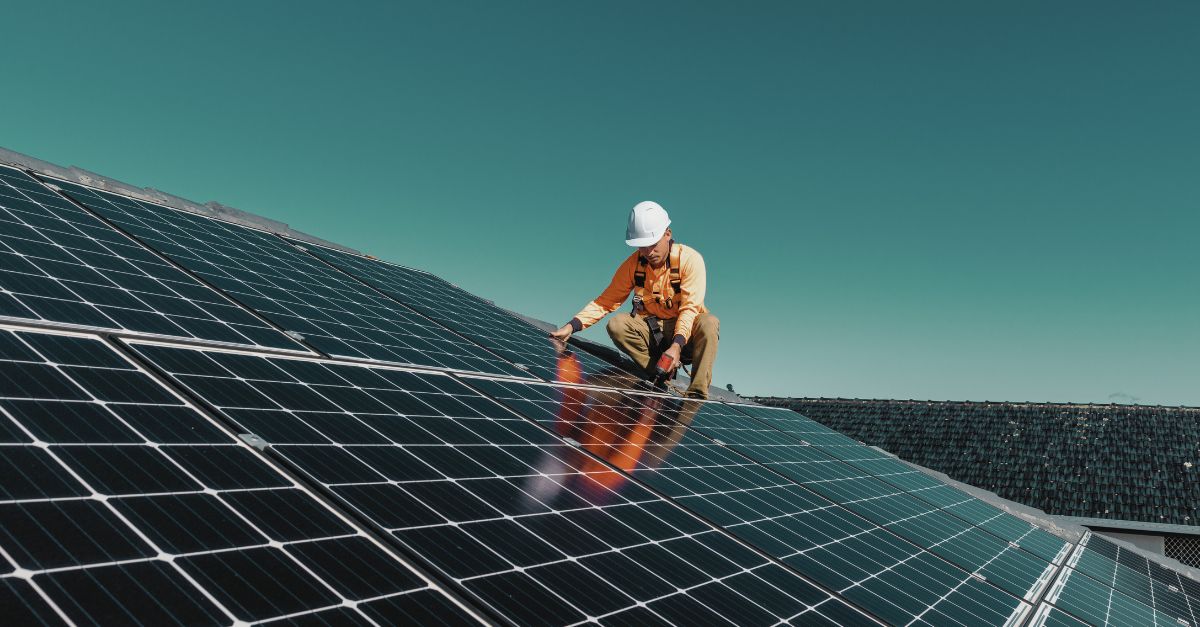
point(943, 200)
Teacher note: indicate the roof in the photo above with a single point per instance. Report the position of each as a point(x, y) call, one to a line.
point(252, 424)
point(1132, 463)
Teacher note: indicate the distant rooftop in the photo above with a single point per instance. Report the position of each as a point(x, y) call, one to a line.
point(1134, 463)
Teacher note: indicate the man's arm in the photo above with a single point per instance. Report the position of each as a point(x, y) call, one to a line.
point(692, 285)
point(607, 302)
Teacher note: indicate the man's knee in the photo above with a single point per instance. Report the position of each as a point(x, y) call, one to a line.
point(617, 326)
point(708, 324)
point(623, 331)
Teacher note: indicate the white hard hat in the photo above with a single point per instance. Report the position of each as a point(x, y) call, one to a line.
point(647, 223)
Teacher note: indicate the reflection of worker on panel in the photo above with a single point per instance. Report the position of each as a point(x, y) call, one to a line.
point(669, 323)
point(625, 431)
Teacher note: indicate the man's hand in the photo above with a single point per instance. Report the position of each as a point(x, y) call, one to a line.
point(563, 333)
point(673, 353)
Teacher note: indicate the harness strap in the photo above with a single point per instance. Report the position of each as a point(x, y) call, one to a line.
point(656, 333)
point(673, 268)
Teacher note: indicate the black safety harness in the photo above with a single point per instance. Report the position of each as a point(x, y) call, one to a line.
point(658, 343)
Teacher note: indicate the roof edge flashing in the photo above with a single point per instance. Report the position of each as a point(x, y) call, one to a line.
point(1133, 525)
point(211, 209)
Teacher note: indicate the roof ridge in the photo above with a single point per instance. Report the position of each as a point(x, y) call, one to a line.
point(212, 208)
point(1013, 403)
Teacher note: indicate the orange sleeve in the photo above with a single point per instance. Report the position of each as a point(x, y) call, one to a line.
point(611, 298)
point(692, 283)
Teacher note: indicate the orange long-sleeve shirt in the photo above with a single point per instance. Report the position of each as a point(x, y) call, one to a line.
point(687, 304)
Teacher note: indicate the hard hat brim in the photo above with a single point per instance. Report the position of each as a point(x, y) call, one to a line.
point(644, 241)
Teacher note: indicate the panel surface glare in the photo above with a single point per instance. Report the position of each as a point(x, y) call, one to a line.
point(522, 522)
point(663, 443)
point(500, 331)
point(332, 311)
point(60, 264)
point(121, 504)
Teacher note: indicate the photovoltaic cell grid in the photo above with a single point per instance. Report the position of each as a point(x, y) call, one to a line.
point(488, 325)
point(822, 443)
point(60, 264)
point(900, 511)
point(1129, 590)
point(1110, 585)
point(120, 504)
point(892, 471)
point(661, 441)
point(332, 312)
point(531, 527)
point(1050, 616)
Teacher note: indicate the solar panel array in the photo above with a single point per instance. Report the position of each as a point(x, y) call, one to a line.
point(121, 504)
point(332, 312)
point(253, 430)
point(60, 264)
point(881, 473)
point(496, 329)
point(523, 524)
point(688, 457)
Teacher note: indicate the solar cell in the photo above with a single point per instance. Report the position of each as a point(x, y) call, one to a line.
point(485, 323)
point(332, 311)
point(1050, 616)
point(664, 443)
point(60, 264)
point(122, 504)
point(890, 470)
point(533, 528)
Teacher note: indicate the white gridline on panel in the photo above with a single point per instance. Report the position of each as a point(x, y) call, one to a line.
point(122, 276)
point(106, 500)
point(329, 309)
point(960, 505)
point(1019, 608)
point(510, 416)
point(893, 504)
point(489, 325)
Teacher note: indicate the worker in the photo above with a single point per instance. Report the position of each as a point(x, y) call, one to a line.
point(668, 320)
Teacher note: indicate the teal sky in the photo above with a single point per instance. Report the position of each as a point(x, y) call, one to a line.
point(943, 200)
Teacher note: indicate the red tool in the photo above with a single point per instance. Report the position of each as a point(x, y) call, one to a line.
point(663, 367)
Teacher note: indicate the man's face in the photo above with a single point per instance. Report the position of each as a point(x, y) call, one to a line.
point(656, 253)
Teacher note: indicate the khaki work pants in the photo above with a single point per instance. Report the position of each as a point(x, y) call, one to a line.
point(632, 335)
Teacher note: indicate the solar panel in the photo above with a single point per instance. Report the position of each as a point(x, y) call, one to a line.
point(1130, 570)
point(488, 325)
point(61, 264)
point(664, 443)
point(1098, 604)
point(333, 312)
point(1129, 584)
point(904, 477)
point(122, 504)
point(521, 522)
